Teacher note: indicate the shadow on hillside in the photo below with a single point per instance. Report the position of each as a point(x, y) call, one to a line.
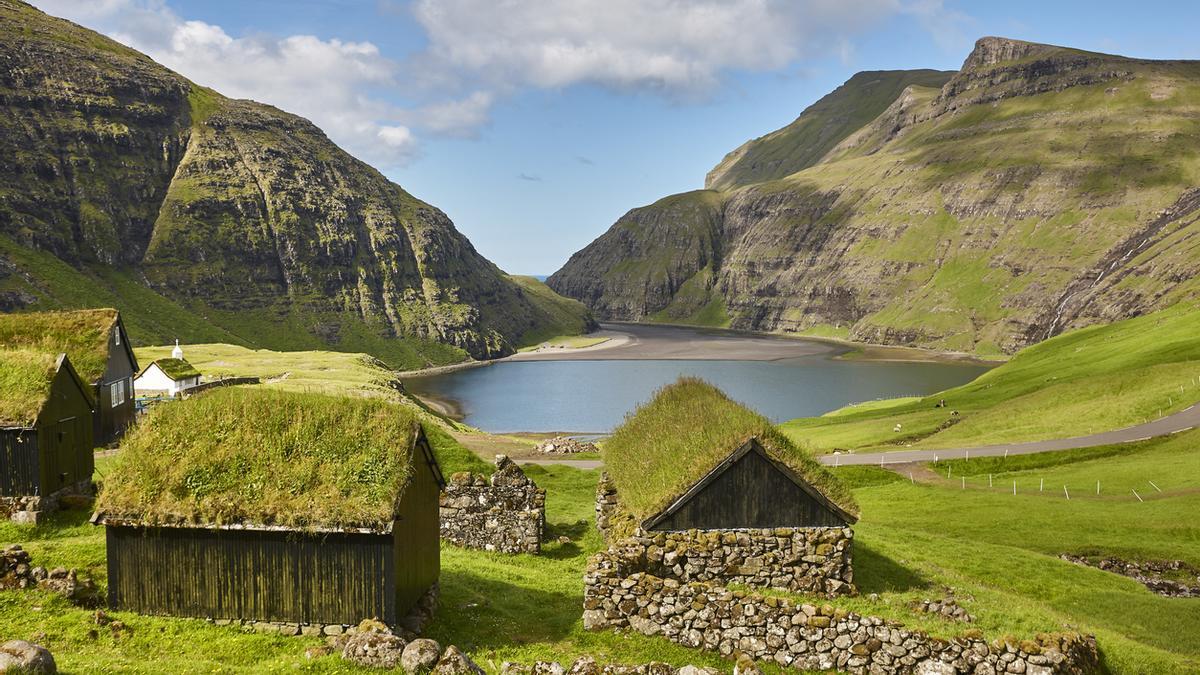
point(479, 613)
point(877, 573)
point(574, 531)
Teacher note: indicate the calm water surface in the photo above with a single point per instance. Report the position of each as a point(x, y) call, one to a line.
point(594, 396)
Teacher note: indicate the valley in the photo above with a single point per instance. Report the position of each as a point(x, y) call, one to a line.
point(908, 386)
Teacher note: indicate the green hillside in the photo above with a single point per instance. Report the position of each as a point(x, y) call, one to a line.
point(1037, 190)
point(1086, 381)
point(208, 218)
point(819, 128)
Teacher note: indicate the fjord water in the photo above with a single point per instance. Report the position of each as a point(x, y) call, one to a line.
point(582, 396)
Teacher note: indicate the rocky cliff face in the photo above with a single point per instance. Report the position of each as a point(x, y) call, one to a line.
point(228, 206)
point(1038, 189)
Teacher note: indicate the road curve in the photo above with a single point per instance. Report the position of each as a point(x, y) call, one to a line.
point(1171, 424)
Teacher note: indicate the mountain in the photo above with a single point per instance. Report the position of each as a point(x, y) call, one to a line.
point(209, 218)
point(1037, 189)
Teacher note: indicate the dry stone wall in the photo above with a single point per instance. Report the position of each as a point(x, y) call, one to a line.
point(617, 594)
point(33, 509)
point(805, 559)
point(505, 513)
point(606, 503)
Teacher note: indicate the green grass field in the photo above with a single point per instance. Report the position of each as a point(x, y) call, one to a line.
point(997, 552)
point(1086, 381)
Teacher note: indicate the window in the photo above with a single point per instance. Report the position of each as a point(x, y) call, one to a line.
point(116, 392)
point(117, 336)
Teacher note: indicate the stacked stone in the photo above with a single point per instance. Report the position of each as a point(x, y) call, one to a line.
point(805, 559)
point(506, 513)
point(947, 608)
point(606, 503)
point(17, 571)
point(804, 636)
point(586, 665)
point(32, 509)
point(563, 445)
point(372, 645)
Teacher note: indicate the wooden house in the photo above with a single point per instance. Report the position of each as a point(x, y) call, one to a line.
point(45, 432)
point(98, 346)
point(275, 507)
point(166, 376)
point(694, 459)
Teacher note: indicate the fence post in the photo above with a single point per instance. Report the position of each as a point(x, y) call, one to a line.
point(1068, 494)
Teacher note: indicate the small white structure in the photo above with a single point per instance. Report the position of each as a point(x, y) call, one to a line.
point(167, 376)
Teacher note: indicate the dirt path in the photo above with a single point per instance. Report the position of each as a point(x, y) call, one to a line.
point(1171, 424)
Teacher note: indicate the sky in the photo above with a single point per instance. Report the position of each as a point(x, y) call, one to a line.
point(535, 125)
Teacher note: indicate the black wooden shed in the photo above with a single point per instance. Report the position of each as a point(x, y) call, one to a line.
point(308, 509)
point(45, 431)
point(750, 489)
point(692, 458)
point(100, 350)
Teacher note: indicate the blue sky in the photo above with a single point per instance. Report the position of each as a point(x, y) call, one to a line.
point(535, 125)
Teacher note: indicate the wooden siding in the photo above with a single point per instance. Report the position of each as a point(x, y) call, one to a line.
point(751, 493)
point(237, 574)
point(110, 422)
point(19, 470)
point(417, 531)
point(65, 446)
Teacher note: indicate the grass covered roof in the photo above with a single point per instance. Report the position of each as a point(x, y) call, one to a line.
point(83, 335)
point(263, 457)
point(689, 427)
point(25, 379)
point(176, 369)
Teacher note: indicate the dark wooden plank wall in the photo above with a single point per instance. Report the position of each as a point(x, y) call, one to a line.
point(267, 576)
point(19, 468)
point(417, 533)
point(751, 493)
point(65, 435)
point(110, 423)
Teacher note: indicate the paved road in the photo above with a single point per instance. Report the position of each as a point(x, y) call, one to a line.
point(1180, 421)
point(1171, 424)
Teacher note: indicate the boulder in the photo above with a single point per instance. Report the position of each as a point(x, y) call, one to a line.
point(454, 662)
point(19, 656)
point(374, 646)
point(420, 655)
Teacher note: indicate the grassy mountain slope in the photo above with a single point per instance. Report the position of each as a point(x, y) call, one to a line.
point(819, 128)
point(1085, 381)
point(1037, 190)
point(231, 209)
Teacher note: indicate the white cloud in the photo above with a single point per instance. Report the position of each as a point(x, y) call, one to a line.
point(480, 50)
point(334, 83)
point(672, 46)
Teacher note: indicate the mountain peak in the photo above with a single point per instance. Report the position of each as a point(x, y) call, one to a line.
point(991, 50)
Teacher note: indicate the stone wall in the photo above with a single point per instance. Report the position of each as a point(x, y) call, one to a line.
point(505, 513)
point(606, 503)
point(805, 559)
point(31, 509)
point(617, 594)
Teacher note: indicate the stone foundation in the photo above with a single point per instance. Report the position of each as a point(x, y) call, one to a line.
point(506, 513)
point(807, 637)
point(812, 560)
point(33, 509)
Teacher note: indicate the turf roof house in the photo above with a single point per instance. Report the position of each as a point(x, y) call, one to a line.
point(99, 348)
point(170, 376)
point(45, 433)
point(716, 483)
point(306, 511)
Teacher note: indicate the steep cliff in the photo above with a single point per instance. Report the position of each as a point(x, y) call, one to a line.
point(230, 209)
point(1038, 189)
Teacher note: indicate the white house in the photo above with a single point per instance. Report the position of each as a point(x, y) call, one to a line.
point(167, 376)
